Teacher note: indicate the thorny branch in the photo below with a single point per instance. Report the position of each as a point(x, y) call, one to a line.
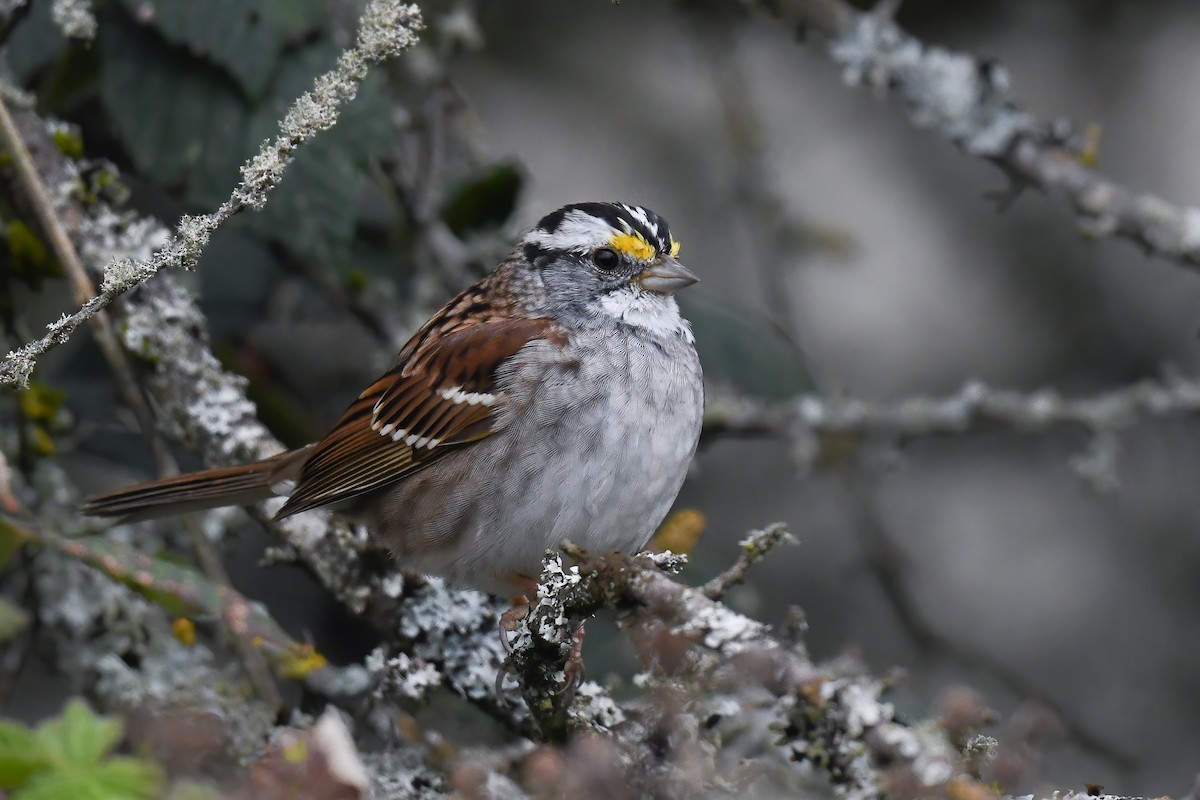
point(386, 28)
point(968, 101)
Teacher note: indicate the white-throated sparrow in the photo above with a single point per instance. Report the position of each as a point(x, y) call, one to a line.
point(558, 397)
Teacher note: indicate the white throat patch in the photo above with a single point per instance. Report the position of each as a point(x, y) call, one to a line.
point(655, 313)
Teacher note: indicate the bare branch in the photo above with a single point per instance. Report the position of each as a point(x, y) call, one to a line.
point(975, 406)
point(386, 28)
point(967, 100)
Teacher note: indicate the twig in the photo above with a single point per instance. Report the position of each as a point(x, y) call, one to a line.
point(386, 28)
point(81, 286)
point(968, 101)
point(755, 547)
point(973, 407)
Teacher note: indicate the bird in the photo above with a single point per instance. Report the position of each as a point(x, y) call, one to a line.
point(559, 397)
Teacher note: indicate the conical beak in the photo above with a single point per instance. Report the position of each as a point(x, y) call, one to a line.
point(666, 277)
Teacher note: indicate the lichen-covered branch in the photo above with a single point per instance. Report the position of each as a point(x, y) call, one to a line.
point(755, 547)
point(736, 684)
point(968, 100)
point(386, 28)
point(810, 420)
point(74, 18)
point(118, 361)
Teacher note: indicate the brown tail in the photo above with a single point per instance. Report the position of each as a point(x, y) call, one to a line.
point(198, 491)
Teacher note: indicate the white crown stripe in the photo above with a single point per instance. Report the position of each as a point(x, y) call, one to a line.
point(580, 232)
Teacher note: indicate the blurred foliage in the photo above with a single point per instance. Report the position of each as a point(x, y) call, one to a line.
point(189, 125)
point(745, 350)
point(28, 257)
point(71, 757)
point(483, 202)
point(12, 537)
point(191, 90)
point(13, 620)
point(40, 406)
point(185, 591)
point(181, 93)
point(680, 531)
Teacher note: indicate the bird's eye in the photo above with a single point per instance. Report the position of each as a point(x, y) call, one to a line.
point(606, 258)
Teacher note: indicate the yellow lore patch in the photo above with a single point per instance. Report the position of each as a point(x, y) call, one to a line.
point(674, 247)
point(632, 244)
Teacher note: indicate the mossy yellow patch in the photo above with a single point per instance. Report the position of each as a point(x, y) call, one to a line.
point(674, 248)
point(632, 244)
point(184, 630)
point(300, 660)
point(295, 751)
point(680, 531)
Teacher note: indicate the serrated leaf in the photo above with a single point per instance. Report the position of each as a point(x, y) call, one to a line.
point(129, 778)
point(21, 755)
point(744, 350)
point(12, 620)
point(246, 38)
point(118, 779)
point(80, 737)
point(187, 125)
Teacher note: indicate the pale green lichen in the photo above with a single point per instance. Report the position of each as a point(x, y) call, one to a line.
point(74, 18)
point(398, 676)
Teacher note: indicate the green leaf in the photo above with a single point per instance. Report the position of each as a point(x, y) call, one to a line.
point(314, 210)
point(130, 777)
point(246, 38)
point(118, 779)
point(21, 755)
point(483, 202)
point(177, 116)
point(34, 43)
point(12, 620)
point(80, 737)
point(744, 350)
point(186, 124)
point(65, 758)
point(11, 538)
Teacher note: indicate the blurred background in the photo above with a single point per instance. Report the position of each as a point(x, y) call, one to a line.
point(839, 248)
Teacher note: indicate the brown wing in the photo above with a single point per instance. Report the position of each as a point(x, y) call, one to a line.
point(440, 394)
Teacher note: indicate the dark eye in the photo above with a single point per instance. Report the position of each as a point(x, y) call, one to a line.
point(606, 259)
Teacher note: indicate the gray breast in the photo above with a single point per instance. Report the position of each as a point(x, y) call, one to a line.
point(594, 445)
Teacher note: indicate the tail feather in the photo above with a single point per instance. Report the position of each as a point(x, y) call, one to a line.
point(195, 491)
